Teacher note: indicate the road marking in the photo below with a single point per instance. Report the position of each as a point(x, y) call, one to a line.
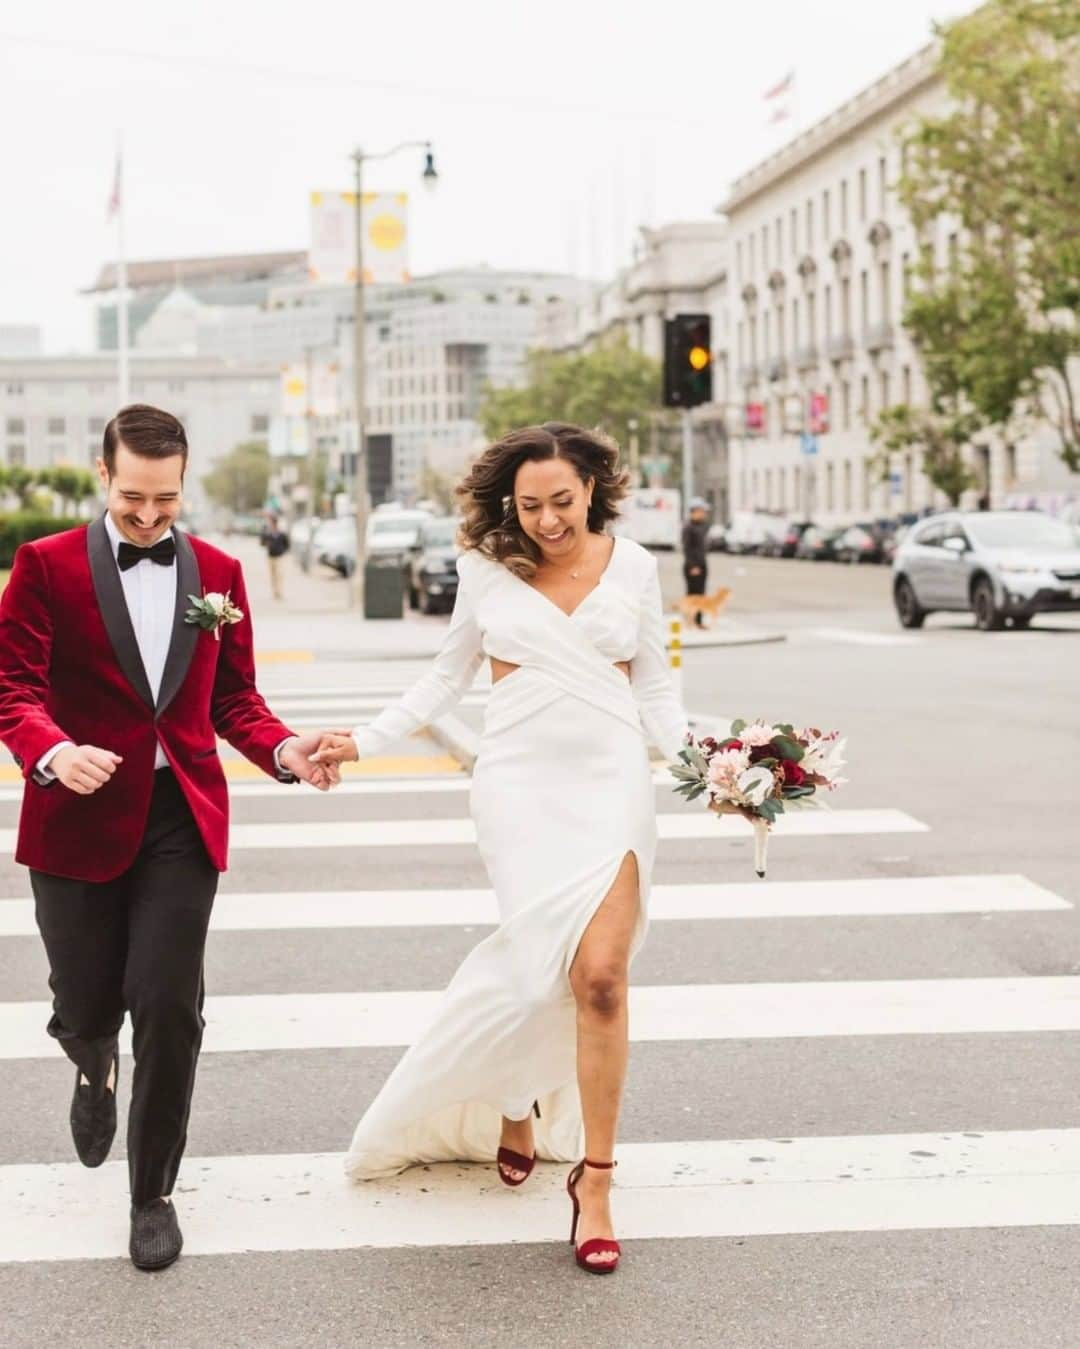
point(751, 1187)
point(875, 898)
point(291, 1021)
point(242, 770)
point(284, 657)
point(863, 637)
point(440, 833)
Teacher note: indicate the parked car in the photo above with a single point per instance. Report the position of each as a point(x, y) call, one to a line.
point(817, 544)
point(998, 565)
point(751, 531)
point(431, 571)
point(334, 544)
point(394, 531)
point(786, 539)
point(860, 543)
point(716, 539)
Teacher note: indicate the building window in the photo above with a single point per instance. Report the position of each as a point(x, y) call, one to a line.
point(826, 217)
point(16, 455)
point(765, 248)
point(93, 453)
point(14, 390)
point(56, 426)
point(779, 240)
point(866, 484)
point(845, 306)
point(843, 206)
point(883, 185)
point(864, 299)
point(847, 484)
point(884, 382)
point(905, 273)
point(830, 487)
point(95, 389)
point(753, 254)
point(738, 263)
point(809, 225)
point(16, 426)
point(96, 426)
point(886, 298)
point(845, 404)
point(862, 194)
point(796, 335)
point(793, 231)
point(864, 398)
point(260, 423)
point(905, 385)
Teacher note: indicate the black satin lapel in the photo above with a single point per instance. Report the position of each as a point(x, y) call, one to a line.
point(114, 610)
point(184, 635)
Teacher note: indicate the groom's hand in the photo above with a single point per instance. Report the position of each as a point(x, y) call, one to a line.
point(295, 755)
point(84, 768)
point(334, 748)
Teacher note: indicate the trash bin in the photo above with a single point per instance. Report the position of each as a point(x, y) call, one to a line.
point(384, 586)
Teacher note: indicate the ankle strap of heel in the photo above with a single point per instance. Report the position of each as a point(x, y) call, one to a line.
point(600, 1166)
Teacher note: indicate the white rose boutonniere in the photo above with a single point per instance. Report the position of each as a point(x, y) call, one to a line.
point(212, 612)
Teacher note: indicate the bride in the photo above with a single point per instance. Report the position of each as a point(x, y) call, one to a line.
point(528, 1050)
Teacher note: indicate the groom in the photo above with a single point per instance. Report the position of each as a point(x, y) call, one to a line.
point(112, 694)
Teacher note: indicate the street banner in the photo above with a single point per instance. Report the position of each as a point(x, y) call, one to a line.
point(386, 237)
point(754, 419)
point(332, 242)
point(294, 390)
point(288, 437)
point(819, 413)
point(324, 389)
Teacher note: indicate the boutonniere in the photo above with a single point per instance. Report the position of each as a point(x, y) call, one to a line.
point(212, 612)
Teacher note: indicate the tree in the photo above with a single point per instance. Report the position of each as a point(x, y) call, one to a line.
point(603, 389)
point(437, 487)
point(240, 480)
point(940, 436)
point(998, 327)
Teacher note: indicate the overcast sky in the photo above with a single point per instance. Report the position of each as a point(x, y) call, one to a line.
point(558, 126)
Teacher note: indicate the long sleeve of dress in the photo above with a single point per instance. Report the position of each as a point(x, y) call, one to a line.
point(662, 715)
point(434, 693)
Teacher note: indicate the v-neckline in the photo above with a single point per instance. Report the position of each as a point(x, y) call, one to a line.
point(588, 594)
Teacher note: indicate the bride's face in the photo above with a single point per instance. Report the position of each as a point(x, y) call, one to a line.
point(552, 504)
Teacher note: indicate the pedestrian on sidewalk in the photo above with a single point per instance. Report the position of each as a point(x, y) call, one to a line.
point(527, 1054)
point(276, 542)
point(695, 546)
point(113, 692)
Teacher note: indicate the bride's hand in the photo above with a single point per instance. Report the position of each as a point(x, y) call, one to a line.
point(336, 747)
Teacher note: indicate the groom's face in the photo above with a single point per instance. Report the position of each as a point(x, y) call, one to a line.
point(143, 495)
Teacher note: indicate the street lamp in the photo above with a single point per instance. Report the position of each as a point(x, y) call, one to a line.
point(360, 489)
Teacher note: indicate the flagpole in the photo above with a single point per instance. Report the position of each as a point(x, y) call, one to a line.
point(122, 363)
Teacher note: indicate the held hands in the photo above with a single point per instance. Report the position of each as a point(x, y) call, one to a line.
point(299, 756)
point(84, 768)
point(336, 747)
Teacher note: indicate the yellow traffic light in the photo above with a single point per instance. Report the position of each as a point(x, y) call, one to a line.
point(698, 357)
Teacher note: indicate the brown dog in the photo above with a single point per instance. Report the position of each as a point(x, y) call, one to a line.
point(709, 605)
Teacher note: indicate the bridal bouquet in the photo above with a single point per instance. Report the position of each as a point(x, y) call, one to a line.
point(758, 772)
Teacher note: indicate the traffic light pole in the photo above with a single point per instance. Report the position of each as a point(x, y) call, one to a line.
point(687, 459)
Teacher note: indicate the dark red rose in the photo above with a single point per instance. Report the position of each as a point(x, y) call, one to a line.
point(708, 744)
point(794, 776)
point(762, 752)
point(733, 743)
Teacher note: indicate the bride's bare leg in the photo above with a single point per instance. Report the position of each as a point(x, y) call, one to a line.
point(599, 978)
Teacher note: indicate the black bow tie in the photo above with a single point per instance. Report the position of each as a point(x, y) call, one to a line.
point(163, 553)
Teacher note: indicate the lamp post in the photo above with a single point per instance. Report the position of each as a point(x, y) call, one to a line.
point(359, 483)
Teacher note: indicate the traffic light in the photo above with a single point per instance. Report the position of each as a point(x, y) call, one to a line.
point(687, 360)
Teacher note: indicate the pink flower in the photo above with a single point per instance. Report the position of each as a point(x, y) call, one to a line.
point(757, 733)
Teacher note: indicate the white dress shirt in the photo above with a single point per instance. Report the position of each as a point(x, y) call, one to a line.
point(150, 594)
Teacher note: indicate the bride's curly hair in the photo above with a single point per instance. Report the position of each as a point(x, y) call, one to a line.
point(490, 522)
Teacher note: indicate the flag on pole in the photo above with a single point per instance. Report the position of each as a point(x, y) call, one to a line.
point(778, 99)
point(114, 196)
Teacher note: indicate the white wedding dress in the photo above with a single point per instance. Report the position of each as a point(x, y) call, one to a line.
point(561, 792)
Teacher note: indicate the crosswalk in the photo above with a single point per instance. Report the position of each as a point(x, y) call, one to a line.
point(409, 881)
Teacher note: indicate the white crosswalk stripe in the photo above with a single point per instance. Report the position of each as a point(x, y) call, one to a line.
point(295, 1201)
point(872, 1183)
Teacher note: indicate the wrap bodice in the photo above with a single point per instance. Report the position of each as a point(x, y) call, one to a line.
point(497, 614)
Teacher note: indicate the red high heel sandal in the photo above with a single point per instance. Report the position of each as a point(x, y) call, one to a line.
point(516, 1161)
point(595, 1245)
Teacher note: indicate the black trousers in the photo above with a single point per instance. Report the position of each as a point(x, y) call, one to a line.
point(135, 944)
point(695, 585)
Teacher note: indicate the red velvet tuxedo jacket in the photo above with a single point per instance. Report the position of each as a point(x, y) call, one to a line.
point(70, 669)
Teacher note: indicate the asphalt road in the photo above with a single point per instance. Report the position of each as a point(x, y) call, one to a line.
point(897, 1239)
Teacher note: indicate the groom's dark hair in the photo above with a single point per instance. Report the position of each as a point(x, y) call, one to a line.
point(144, 430)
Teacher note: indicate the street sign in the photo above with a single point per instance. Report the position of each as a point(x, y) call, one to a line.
point(808, 443)
point(896, 481)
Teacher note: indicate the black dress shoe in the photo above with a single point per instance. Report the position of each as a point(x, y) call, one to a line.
point(93, 1119)
point(156, 1239)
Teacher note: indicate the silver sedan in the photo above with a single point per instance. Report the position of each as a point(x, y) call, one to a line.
point(998, 565)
